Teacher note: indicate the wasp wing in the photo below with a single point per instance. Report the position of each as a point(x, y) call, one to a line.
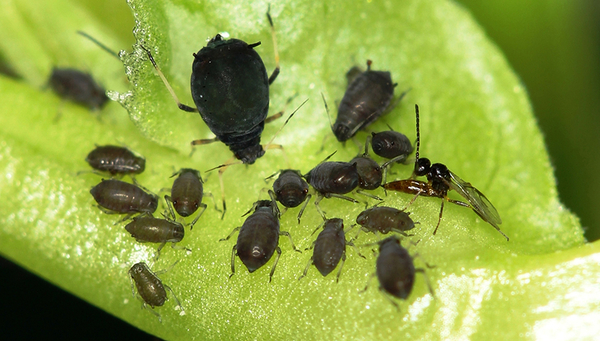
point(480, 204)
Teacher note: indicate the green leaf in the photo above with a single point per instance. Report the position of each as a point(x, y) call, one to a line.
point(475, 118)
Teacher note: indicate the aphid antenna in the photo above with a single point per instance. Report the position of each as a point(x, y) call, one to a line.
point(327, 111)
point(102, 46)
point(277, 68)
point(166, 82)
point(267, 146)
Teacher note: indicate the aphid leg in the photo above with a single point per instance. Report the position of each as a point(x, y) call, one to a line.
point(387, 296)
point(280, 113)
point(199, 142)
point(340, 196)
point(229, 236)
point(277, 68)
point(393, 105)
point(158, 250)
point(127, 217)
point(411, 201)
point(368, 282)
point(426, 280)
point(285, 233)
point(275, 264)
point(179, 247)
point(233, 253)
point(277, 212)
point(368, 195)
point(310, 262)
point(440, 217)
point(317, 201)
point(151, 309)
point(355, 248)
point(209, 194)
point(198, 216)
point(160, 272)
point(175, 297)
point(337, 279)
point(169, 203)
point(164, 79)
point(303, 207)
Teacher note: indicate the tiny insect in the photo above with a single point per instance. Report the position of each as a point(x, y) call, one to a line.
point(119, 197)
point(333, 179)
point(258, 238)
point(370, 174)
point(230, 87)
point(290, 190)
point(77, 86)
point(367, 97)
point(391, 145)
point(147, 229)
point(186, 194)
point(395, 270)
point(329, 248)
point(382, 219)
point(115, 160)
point(440, 181)
point(150, 288)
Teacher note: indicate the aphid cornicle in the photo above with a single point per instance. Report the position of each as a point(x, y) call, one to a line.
point(150, 288)
point(147, 229)
point(382, 219)
point(395, 270)
point(115, 160)
point(440, 180)
point(122, 197)
point(77, 86)
point(329, 248)
point(290, 190)
point(258, 238)
point(367, 97)
point(230, 88)
point(186, 194)
point(333, 179)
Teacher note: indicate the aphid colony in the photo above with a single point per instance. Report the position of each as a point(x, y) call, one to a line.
point(232, 68)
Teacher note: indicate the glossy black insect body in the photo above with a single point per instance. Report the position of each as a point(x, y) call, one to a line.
point(329, 248)
point(395, 270)
point(367, 97)
point(369, 172)
point(230, 88)
point(115, 160)
point(391, 145)
point(291, 190)
point(330, 178)
point(186, 194)
point(147, 229)
point(258, 238)
point(333, 179)
point(121, 197)
point(77, 86)
point(382, 219)
point(149, 287)
point(440, 181)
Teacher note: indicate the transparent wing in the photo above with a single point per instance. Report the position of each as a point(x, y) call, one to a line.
point(480, 204)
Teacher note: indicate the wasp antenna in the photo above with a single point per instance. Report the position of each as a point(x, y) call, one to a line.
point(418, 133)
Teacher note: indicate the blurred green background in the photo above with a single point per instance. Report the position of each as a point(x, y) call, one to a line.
point(554, 46)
